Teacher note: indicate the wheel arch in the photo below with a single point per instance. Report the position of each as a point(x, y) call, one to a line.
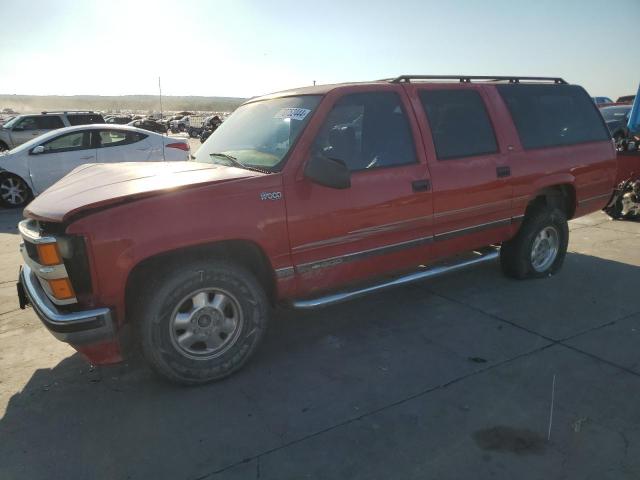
point(561, 195)
point(245, 253)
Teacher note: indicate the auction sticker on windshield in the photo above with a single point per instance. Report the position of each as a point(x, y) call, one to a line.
point(294, 113)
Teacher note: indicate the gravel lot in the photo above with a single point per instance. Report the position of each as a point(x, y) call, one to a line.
point(450, 378)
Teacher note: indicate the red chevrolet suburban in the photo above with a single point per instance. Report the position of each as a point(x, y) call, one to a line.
point(310, 197)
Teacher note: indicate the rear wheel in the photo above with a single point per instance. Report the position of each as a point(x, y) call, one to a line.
point(202, 322)
point(539, 248)
point(14, 191)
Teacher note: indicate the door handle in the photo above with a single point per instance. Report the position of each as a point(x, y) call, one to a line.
point(421, 185)
point(86, 158)
point(502, 172)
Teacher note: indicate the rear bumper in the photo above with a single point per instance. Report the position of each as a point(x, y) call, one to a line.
point(76, 328)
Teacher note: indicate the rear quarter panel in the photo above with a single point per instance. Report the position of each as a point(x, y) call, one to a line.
point(590, 168)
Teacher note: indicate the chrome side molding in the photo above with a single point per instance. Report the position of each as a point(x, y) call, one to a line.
point(332, 299)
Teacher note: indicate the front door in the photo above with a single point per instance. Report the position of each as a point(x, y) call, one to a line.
point(29, 128)
point(472, 191)
point(382, 222)
point(61, 155)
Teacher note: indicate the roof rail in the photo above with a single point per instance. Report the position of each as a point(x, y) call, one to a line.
point(68, 111)
point(468, 78)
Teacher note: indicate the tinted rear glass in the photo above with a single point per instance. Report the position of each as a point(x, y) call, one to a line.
point(49, 122)
point(84, 118)
point(459, 123)
point(553, 115)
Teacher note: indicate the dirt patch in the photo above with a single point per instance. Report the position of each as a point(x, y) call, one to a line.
point(520, 441)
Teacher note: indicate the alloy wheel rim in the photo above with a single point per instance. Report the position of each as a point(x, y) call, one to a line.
point(13, 191)
point(544, 249)
point(206, 323)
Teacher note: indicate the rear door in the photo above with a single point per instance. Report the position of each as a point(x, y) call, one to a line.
point(122, 146)
point(472, 191)
point(61, 155)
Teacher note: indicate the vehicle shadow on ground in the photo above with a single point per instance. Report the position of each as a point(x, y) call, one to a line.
point(315, 369)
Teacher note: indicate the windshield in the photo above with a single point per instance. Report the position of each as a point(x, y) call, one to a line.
point(11, 122)
point(259, 134)
point(615, 113)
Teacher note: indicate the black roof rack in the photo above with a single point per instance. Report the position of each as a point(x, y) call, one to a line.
point(69, 111)
point(468, 78)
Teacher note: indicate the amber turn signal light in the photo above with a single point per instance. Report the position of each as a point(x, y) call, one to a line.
point(61, 288)
point(48, 254)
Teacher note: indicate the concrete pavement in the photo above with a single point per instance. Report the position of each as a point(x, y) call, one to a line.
point(450, 378)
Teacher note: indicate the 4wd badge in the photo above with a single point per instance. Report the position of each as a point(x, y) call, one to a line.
point(270, 195)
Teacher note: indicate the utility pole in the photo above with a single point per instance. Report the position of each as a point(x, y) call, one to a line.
point(160, 90)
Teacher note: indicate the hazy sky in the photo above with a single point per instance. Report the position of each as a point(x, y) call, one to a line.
point(245, 48)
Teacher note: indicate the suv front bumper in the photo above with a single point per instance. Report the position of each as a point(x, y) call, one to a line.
point(76, 328)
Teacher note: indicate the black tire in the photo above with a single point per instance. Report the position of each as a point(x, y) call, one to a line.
point(3, 147)
point(14, 191)
point(516, 255)
point(615, 210)
point(157, 310)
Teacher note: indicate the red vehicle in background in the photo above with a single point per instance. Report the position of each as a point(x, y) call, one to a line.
point(307, 198)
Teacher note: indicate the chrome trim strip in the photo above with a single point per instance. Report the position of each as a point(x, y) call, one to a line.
point(25, 227)
point(284, 272)
point(361, 233)
point(473, 208)
point(473, 229)
point(350, 257)
point(413, 277)
point(597, 197)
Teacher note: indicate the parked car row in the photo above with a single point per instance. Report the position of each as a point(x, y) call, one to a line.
point(35, 165)
point(606, 101)
point(23, 128)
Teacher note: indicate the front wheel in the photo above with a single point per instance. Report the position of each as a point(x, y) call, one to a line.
point(202, 322)
point(14, 191)
point(539, 248)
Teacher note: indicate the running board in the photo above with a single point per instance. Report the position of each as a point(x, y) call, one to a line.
point(436, 271)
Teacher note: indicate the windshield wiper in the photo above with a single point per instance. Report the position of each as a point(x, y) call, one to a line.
point(234, 162)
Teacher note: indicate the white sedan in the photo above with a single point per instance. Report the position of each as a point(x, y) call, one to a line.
point(32, 167)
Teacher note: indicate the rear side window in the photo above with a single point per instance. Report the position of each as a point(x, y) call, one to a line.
point(459, 123)
point(553, 115)
point(366, 131)
point(49, 122)
point(116, 138)
point(84, 118)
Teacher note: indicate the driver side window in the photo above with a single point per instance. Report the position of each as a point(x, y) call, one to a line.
point(69, 142)
point(366, 131)
point(28, 123)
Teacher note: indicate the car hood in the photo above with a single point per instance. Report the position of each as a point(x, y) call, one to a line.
point(96, 185)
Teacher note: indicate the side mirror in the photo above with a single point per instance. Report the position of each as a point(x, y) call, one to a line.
point(328, 172)
point(37, 150)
